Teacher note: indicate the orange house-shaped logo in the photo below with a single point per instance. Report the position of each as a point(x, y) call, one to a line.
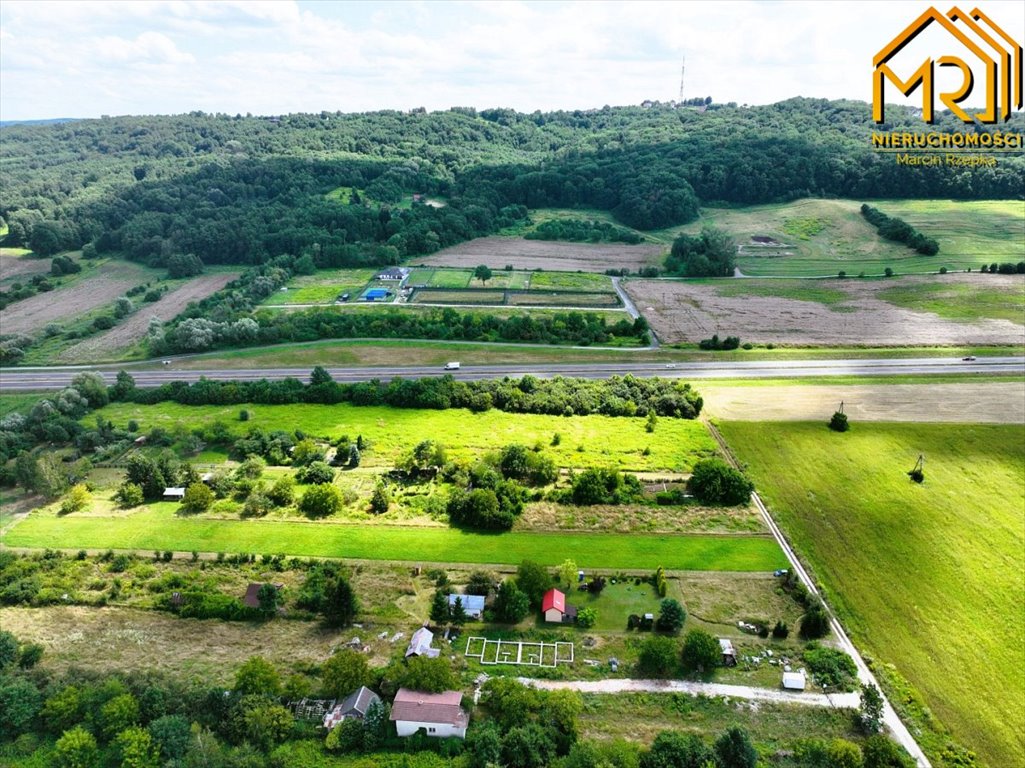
point(998, 65)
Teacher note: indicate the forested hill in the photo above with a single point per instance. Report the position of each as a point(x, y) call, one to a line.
point(244, 189)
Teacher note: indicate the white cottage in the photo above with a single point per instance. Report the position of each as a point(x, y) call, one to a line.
point(439, 714)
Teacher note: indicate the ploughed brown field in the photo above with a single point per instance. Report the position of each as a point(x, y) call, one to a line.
point(111, 280)
point(690, 311)
point(134, 328)
point(498, 252)
point(986, 402)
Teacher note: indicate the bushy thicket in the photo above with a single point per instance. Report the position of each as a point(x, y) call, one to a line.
point(583, 231)
point(615, 396)
point(194, 334)
point(710, 254)
point(899, 230)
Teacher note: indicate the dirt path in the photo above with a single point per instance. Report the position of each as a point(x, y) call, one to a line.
point(836, 700)
point(134, 328)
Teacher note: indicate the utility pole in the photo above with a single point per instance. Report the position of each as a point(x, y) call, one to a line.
point(683, 67)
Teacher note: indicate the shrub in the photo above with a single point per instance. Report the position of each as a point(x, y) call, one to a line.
point(321, 501)
point(701, 652)
point(671, 616)
point(587, 618)
point(316, 473)
point(198, 498)
point(282, 493)
point(77, 499)
point(815, 622)
point(658, 656)
point(713, 481)
point(380, 499)
point(830, 667)
point(781, 631)
point(888, 272)
point(30, 655)
point(243, 415)
point(838, 422)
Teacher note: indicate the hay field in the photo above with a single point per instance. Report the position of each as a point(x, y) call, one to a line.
point(925, 577)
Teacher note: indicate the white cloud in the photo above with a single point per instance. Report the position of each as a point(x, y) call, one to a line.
point(88, 58)
point(147, 47)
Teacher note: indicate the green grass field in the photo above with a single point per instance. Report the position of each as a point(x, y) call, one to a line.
point(962, 302)
point(826, 236)
point(157, 527)
point(605, 441)
point(321, 288)
point(927, 577)
point(570, 281)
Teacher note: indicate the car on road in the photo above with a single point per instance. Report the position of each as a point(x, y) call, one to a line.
point(453, 366)
point(969, 359)
point(670, 365)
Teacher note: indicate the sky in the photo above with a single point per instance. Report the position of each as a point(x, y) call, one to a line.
point(75, 58)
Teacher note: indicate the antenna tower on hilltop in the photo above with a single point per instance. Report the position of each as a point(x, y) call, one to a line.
point(683, 67)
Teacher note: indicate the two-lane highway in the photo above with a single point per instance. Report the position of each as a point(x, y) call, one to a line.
point(45, 379)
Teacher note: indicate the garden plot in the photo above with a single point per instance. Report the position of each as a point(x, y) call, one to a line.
point(518, 652)
point(497, 252)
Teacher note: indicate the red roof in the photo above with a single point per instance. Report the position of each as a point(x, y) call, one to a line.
point(420, 707)
point(553, 599)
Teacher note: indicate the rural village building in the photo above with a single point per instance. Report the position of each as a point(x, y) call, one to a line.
point(392, 273)
point(556, 609)
point(439, 714)
point(420, 644)
point(174, 494)
point(795, 681)
point(473, 605)
point(354, 705)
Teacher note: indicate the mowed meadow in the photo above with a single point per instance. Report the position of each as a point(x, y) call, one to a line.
point(584, 441)
point(926, 577)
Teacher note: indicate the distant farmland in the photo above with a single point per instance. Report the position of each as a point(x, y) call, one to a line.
point(497, 252)
point(953, 309)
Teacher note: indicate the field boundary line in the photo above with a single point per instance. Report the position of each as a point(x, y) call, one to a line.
point(890, 717)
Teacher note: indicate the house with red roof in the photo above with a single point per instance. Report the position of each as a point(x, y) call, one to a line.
point(555, 608)
point(438, 714)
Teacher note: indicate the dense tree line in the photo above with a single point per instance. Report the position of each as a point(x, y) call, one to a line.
point(583, 231)
point(194, 334)
point(241, 190)
point(899, 230)
point(615, 396)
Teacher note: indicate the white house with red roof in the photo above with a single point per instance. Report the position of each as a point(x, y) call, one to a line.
point(555, 608)
point(439, 714)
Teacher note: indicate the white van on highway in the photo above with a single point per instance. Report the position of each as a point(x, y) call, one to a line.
point(454, 366)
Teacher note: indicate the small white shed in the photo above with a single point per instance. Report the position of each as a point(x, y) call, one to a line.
point(795, 681)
